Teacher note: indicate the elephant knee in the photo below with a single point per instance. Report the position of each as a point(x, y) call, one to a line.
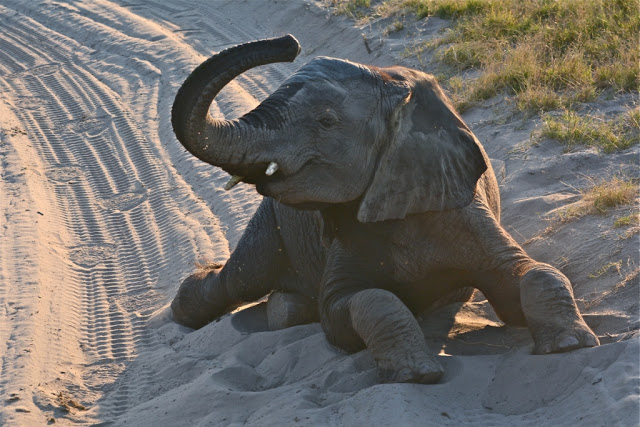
point(544, 286)
point(374, 304)
point(379, 315)
point(350, 321)
point(238, 285)
point(544, 277)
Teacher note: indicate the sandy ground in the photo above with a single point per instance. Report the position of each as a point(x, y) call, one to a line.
point(102, 213)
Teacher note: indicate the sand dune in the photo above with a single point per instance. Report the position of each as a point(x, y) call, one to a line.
point(103, 213)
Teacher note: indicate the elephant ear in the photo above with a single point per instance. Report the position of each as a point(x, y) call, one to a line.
point(431, 162)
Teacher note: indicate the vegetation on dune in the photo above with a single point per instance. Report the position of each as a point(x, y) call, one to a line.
point(602, 196)
point(348, 6)
point(568, 50)
point(615, 266)
point(544, 55)
point(610, 135)
point(612, 193)
point(628, 220)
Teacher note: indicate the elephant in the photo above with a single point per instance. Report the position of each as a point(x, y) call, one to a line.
point(379, 202)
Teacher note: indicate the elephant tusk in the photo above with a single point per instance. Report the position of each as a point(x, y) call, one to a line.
point(232, 182)
point(271, 169)
point(235, 179)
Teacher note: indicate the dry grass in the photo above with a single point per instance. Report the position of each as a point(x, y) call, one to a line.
point(605, 268)
point(570, 128)
point(208, 265)
point(599, 198)
point(348, 7)
point(628, 279)
point(611, 194)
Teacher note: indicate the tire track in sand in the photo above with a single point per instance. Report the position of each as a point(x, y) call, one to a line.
point(212, 27)
point(109, 197)
point(129, 214)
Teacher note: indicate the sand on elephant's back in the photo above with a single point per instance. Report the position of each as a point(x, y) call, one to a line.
point(103, 213)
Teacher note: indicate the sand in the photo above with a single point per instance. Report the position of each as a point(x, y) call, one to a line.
point(103, 213)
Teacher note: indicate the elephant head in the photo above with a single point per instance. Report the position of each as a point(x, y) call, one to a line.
point(335, 132)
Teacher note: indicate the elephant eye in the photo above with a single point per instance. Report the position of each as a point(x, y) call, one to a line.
point(327, 121)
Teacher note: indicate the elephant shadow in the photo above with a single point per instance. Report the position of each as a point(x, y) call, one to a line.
point(251, 319)
point(458, 329)
point(470, 329)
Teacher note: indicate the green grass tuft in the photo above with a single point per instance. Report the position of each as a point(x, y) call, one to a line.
point(574, 48)
point(570, 128)
point(612, 194)
point(625, 221)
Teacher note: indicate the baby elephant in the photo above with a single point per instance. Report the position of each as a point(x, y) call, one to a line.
point(379, 202)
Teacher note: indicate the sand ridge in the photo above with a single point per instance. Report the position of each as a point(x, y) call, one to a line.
point(103, 213)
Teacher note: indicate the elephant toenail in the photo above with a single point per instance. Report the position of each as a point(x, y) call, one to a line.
point(404, 375)
point(568, 342)
point(431, 376)
point(432, 368)
point(592, 341)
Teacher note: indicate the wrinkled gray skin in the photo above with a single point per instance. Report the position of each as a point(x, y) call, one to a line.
point(384, 202)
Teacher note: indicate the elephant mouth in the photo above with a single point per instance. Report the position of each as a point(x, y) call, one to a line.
point(266, 173)
point(259, 174)
point(269, 179)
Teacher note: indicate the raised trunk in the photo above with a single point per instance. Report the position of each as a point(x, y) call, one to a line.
point(224, 143)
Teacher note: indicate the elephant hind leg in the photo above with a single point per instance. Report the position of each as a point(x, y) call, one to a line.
point(253, 270)
point(285, 309)
point(199, 300)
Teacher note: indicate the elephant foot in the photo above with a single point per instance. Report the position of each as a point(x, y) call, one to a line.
point(194, 305)
point(394, 338)
point(551, 312)
point(558, 338)
point(287, 309)
point(418, 368)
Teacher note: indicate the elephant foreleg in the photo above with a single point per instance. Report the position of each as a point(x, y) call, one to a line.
point(394, 338)
point(526, 292)
point(551, 312)
point(250, 273)
point(355, 315)
point(539, 296)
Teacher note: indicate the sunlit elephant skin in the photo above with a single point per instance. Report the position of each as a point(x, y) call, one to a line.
point(379, 202)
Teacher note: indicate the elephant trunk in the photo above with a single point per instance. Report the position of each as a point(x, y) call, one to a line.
point(225, 143)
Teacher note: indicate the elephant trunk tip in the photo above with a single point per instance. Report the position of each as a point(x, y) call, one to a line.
point(192, 101)
point(293, 42)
